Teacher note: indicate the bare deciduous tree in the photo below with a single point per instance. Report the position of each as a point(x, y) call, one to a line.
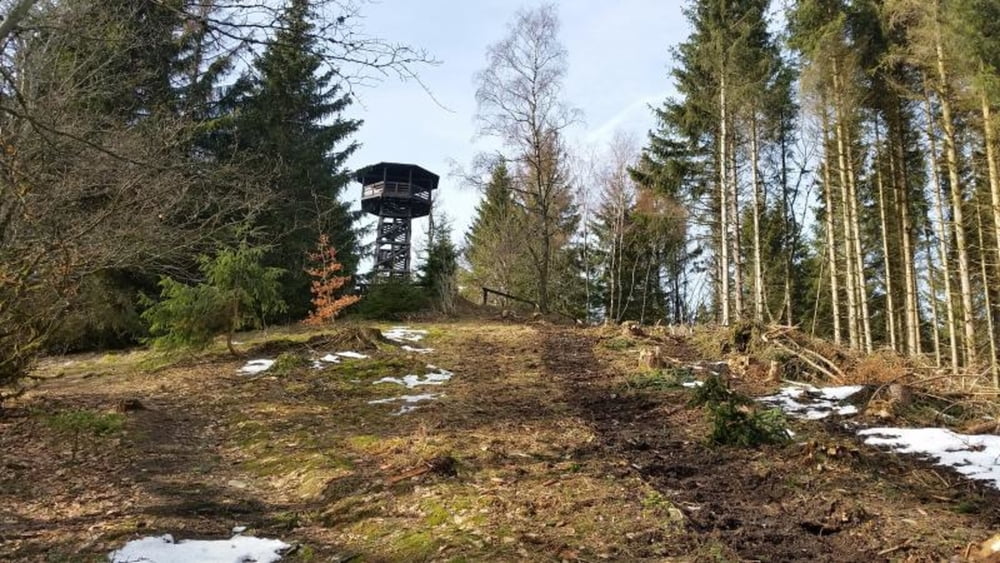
point(519, 98)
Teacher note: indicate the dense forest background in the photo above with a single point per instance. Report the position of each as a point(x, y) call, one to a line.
point(834, 167)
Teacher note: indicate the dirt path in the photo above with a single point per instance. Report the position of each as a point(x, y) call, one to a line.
point(826, 501)
point(552, 456)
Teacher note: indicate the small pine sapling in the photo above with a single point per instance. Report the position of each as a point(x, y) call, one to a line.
point(238, 292)
point(326, 283)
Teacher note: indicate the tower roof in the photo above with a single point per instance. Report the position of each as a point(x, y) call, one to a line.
point(397, 172)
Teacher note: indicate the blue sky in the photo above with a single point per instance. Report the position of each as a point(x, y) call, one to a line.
point(619, 60)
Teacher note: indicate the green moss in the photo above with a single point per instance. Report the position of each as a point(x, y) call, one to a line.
point(619, 343)
point(304, 553)
point(435, 514)
point(660, 379)
point(417, 546)
point(286, 520)
point(363, 441)
point(84, 421)
point(288, 363)
point(968, 507)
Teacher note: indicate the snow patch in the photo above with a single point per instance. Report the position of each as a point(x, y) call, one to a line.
point(163, 549)
point(692, 384)
point(352, 355)
point(416, 350)
point(405, 333)
point(256, 366)
point(436, 377)
point(336, 357)
point(976, 457)
point(813, 403)
point(408, 400)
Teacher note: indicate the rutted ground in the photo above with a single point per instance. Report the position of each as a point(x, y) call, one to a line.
point(537, 448)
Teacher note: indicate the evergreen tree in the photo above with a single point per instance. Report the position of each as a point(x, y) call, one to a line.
point(237, 292)
point(519, 98)
point(494, 244)
point(289, 119)
point(439, 272)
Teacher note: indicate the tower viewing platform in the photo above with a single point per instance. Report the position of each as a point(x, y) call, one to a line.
point(396, 193)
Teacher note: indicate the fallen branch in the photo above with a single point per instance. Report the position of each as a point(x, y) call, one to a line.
point(811, 363)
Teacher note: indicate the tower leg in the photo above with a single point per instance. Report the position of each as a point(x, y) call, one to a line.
point(392, 247)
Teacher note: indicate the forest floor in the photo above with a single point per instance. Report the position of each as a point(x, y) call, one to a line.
point(543, 446)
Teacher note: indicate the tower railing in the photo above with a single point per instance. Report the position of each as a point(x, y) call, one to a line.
point(393, 189)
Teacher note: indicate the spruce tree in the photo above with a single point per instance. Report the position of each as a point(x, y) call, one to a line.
point(494, 245)
point(440, 269)
point(289, 117)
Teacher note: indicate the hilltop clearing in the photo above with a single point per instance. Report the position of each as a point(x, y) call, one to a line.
point(456, 442)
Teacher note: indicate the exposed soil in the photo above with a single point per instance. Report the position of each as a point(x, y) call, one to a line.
point(538, 450)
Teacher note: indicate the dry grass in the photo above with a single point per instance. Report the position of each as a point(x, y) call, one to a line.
point(304, 456)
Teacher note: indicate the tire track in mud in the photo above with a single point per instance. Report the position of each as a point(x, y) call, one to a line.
point(726, 500)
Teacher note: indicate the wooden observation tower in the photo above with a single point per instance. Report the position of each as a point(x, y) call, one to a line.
point(396, 193)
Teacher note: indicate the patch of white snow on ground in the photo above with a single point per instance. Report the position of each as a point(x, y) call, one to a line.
point(352, 355)
point(416, 350)
point(813, 403)
point(405, 333)
point(409, 401)
point(693, 384)
point(163, 549)
point(436, 377)
point(336, 357)
point(976, 457)
point(256, 366)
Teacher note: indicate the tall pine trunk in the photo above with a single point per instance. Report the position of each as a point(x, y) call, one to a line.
point(994, 370)
point(897, 147)
point(890, 309)
point(758, 272)
point(942, 234)
point(723, 202)
point(737, 253)
point(831, 238)
point(845, 214)
point(859, 257)
point(935, 314)
point(951, 160)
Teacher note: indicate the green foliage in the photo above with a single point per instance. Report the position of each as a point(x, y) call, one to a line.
point(714, 391)
point(660, 379)
point(438, 274)
point(619, 343)
point(86, 422)
point(736, 425)
point(289, 121)
point(104, 315)
point(735, 420)
point(186, 316)
point(287, 363)
point(237, 293)
point(493, 243)
point(76, 424)
point(392, 299)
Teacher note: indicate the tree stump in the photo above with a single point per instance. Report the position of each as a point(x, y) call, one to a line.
point(652, 358)
point(774, 371)
point(632, 329)
point(900, 395)
point(128, 405)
